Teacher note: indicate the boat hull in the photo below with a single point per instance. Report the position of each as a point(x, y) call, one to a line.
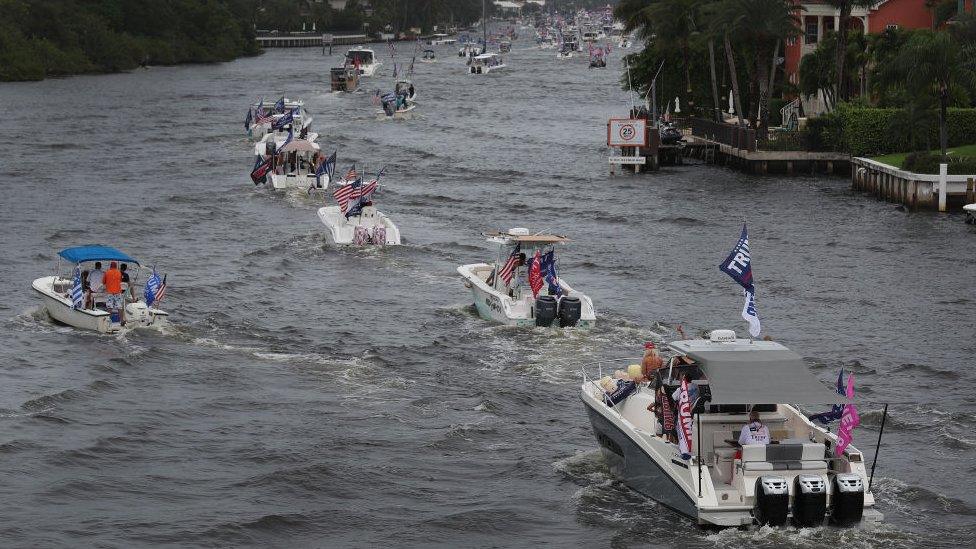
point(635, 466)
point(342, 231)
point(499, 307)
point(61, 310)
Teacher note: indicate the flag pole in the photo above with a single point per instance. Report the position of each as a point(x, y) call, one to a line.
point(699, 452)
point(877, 448)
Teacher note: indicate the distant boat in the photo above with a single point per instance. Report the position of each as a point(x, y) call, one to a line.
point(362, 224)
point(94, 311)
point(486, 63)
point(344, 79)
point(293, 166)
point(364, 59)
point(496, 300)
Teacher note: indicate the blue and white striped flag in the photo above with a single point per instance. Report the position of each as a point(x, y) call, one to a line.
point(77, 290)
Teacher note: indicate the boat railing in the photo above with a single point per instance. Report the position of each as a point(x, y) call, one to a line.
point(599, 367)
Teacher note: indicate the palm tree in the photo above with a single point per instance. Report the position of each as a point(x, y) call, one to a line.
point(844, 22)
point(932, 61)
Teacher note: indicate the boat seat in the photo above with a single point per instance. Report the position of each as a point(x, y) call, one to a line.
point(807, 456)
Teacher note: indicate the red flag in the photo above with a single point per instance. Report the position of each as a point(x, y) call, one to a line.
point(535, 274)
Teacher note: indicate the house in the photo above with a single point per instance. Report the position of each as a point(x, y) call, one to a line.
point(819, 17)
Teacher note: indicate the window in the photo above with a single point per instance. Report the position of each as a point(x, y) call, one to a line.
point(810, 34)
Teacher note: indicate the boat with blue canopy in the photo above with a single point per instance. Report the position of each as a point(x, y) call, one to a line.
point(81, 297)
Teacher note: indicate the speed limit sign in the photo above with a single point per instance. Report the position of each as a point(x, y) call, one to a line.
point(627, 132)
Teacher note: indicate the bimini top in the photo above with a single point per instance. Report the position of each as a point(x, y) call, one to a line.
point(742, 371)
point(94, 252)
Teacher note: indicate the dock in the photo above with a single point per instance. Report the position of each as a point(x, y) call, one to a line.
point(913, 190)
point(309, 39)
point(737, 147)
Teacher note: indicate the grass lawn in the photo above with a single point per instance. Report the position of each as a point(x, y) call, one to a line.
point(896, 159)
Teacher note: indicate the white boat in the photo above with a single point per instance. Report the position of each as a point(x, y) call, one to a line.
point(263, 117)
point(715, 481)
point(564, 54)
point(405, 85)
point(294, 162)
point(485, 63)
point(496, 300)
point(469, 50)
point(970, 210)
point(364, 59)
point(92, 313)
point(441, 39)
point(371, 226)
point(428, 56)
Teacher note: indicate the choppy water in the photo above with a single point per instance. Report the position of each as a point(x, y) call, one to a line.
point(306, 396)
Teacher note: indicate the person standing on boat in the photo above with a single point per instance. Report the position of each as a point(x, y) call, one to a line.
point(113, 287)
point(519, 280)
point(95, 281)
point(755, 432)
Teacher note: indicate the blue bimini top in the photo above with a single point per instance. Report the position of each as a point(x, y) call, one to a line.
point(94, 252)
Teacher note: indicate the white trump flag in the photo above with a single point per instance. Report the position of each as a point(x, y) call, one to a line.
point(750, 315)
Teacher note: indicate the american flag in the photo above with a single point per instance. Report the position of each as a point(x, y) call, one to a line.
point(346, 193)
point(508, 269)
point(262, 117)
point(352, 174)
point(77, 290)
point(155, 288)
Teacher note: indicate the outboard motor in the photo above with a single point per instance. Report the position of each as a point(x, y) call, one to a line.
point(809, 500)
point(848, 499)
point(545, 310)
point(772, 500)
point(570, 310)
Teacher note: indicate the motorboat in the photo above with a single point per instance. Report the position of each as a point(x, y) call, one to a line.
point(707, 476)
point(441, 39)
point(344, 78)
point(565, 52)
point(293, 162)
point(500, 296)
point(263, 119)
point(395, 105)
point(406, 87)
point(670, 134)
point(69, 301)
point(469, 50)
point(598, 58)
point(485, 63)
point(970, 210)
point(355, 220)
point(505, 46)
point(428, 56)
point(364, 60)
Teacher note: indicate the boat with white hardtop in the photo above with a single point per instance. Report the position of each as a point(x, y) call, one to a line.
point(738, 451)
point(99, 293)
point(525, 289)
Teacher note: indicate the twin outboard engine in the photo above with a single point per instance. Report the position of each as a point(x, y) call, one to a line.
point(847, 500)
point(545, 310)
point(570, 310)
point(809, 500)
point(772, 500)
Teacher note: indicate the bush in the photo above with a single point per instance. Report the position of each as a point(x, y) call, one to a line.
point(926, 162)
point(864, 131)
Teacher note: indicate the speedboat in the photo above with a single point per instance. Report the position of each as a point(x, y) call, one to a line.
point(671, 134)
point(344, 78)
point(505, 46)
point(355, 220)
point(395, 105)
point(485, 63)
point(405, 86)
point(293, 162)
point(428, 56)
point(499, 297)
point(970, 210)
point(68, 301)
point(707, 476)
point(263, 119)
point(364, 59)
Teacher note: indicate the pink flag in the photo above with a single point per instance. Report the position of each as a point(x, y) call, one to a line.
point(535, 274)
point(684, 419)
point(848, 421)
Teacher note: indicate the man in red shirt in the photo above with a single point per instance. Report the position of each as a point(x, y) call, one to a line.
point(113, 287)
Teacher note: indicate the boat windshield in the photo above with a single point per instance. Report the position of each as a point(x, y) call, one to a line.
point(364, 57)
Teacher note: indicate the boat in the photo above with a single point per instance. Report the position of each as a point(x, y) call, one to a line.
point(469, 50)
point(395, 105)
point(344, 78)
point(262, 119)
point(485, 63)
point(441, 39)
point(557, 303)
point(598, 58)
point(505, 46)
point(565, 51)
point(970, 210)
point(670, 134)
point(428, 56)
point(405, 86)
point(710, 478)
point(355, 220)
point(293, 162)
point(363, 59)
point(66, 302)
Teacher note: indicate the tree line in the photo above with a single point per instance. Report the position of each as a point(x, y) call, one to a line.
point(382, 15)
point(706, 49)
point(59, 37)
